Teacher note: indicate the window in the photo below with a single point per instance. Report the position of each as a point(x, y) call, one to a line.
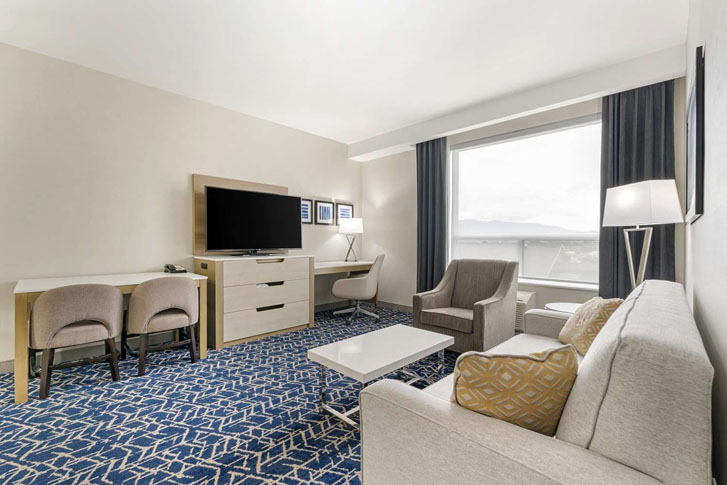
point(533, 197)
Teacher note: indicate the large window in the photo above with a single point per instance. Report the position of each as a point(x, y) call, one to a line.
point(532, 197)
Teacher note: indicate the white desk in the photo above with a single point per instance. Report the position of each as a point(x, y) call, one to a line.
point(27, 291)
point(331, 267)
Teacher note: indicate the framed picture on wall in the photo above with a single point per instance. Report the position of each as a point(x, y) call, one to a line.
point(306, 211)
point(695, 142)
point(343, 211)
point(324, 213)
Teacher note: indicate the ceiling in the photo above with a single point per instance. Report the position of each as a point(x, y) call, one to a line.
point(343, 69)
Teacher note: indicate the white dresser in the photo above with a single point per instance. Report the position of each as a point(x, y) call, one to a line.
point(254, 296)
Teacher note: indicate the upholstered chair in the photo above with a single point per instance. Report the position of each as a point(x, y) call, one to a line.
point(359, 288)
point(76, 315)
point(474, 303)
point(161, 305)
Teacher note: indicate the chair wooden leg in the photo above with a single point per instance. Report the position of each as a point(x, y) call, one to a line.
point(113, 359)
point(143, 343)
point(192, 344)
point(45, 372)
point(124, 337)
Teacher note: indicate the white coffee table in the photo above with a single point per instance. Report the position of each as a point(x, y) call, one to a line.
point(372, 355)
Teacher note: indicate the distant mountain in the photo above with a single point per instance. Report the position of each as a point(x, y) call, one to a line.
point(472, 227)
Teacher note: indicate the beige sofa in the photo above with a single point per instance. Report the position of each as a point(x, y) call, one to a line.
point(639, 411)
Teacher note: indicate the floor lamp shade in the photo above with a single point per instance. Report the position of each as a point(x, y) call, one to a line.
point(642, 204)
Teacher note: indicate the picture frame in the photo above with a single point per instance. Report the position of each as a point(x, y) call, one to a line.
point(695, 142)
point(306, 211)
point(343, 211)
point(324, 214)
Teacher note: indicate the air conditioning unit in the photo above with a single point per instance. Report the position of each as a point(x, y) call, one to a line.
point(525, 302)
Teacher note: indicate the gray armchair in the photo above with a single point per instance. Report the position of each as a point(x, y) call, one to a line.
point(474, 303)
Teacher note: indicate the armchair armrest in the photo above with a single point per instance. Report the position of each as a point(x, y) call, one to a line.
point(547, 323)
point(411, 437)
point(439, 297)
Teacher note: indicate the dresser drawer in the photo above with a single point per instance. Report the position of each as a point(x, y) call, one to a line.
point(248, 323)
point(248, 297)
point(252, 271)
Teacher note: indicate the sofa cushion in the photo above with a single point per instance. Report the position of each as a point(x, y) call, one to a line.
point(582, 327)
point(457, 319)
point(643, 392)
point(523, 343)
point(526, 390)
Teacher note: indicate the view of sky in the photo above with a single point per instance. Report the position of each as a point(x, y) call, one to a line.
point(551, 179)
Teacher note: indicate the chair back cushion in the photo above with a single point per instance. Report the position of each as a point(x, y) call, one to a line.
point(66, 305)
point(643, 392)
point(161, 294)
point(476, 280)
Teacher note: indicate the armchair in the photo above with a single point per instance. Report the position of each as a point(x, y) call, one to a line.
point(474, 303)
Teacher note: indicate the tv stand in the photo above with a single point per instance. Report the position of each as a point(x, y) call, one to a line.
point(253, 296)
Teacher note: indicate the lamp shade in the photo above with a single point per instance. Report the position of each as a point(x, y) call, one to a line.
point(642, 204)
point(353, 225)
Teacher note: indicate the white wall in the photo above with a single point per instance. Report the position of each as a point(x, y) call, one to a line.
point(96, 173)
point(706, 268)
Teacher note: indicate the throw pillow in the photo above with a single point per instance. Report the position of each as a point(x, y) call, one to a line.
point(528, 390)
point(582, 327)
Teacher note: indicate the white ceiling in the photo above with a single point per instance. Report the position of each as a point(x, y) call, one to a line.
point(343, 69)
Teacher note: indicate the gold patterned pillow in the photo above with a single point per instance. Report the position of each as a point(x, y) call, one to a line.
point(582, 327)
point(528, 390)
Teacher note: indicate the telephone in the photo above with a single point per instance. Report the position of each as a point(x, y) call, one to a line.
point(174, 268)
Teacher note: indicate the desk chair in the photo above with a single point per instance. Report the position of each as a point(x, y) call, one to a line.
point(359, 288)
point(160, 305)
point(76, 315)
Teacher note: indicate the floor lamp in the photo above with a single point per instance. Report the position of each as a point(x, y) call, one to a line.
point(642, 204)
point(350, 227)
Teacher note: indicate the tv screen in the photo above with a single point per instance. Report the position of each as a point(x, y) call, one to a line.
point(240, 220)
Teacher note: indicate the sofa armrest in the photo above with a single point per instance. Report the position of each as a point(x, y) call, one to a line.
point(547, 323)
point(411, 437)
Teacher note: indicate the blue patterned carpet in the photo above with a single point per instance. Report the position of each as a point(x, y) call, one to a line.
point(246, 414)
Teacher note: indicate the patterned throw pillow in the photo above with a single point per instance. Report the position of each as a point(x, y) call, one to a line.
point(529, 390)
point(582, 327)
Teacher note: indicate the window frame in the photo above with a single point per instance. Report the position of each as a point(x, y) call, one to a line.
point(453, 176)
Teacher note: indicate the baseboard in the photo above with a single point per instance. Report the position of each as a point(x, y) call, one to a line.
point(396, 306)
point(91, 350)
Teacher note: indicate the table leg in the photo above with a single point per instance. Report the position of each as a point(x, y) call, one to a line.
point(21, 348)
point(203, 319)
point(322, 382)
point(440, 370)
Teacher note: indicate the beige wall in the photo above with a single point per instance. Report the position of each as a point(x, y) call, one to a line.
point(96, 173)
point(706, 262)
point(390, 223)
point(389, 210)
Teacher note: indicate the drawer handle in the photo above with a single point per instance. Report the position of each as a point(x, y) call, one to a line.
point(271, 307)
point(269, 284)
point(268, 261)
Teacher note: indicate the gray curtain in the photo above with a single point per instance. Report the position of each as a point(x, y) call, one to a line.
point(431, 212)
point(637, 144)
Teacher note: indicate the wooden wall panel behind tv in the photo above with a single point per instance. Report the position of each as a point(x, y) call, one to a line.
point(199, 182)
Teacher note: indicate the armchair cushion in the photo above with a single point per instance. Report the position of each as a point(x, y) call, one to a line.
point(457, 319)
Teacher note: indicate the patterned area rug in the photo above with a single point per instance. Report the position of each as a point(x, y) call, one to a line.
point(246, 414)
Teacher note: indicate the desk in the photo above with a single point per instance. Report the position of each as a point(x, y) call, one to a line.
point(331, 267)
point(27, 291)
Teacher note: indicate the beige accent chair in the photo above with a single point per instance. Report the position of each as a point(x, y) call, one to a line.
point(161, 305)
point(76, 315)
point(474, 303)
point(359, 288)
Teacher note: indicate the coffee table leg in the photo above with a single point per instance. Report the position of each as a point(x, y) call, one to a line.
point(440, 370)
point(322, 382)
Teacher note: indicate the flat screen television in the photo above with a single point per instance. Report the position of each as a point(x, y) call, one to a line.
point(241, 220)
